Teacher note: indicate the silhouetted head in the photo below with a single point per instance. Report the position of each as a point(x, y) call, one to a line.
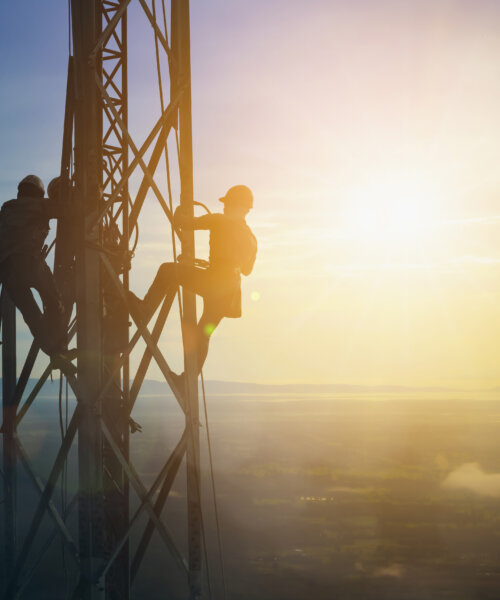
point(54, 188)
point(238, 200)
point(31, 186)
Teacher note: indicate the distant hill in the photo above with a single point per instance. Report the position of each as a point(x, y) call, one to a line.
point(152, 387)
point(306, 388)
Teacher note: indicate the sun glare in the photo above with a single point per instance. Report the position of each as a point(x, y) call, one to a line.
point(391, 211)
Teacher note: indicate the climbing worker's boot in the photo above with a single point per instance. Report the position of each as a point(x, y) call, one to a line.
point(179, 383)
point(134, 425)
point(62, 361)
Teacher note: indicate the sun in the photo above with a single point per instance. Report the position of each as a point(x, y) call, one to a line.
point(396, 210)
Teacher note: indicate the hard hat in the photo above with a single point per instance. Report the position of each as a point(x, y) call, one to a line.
point(53, 188)
point(238, 195)
point(34, 182)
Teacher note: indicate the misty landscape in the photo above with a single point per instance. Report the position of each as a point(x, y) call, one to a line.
point(345, 494)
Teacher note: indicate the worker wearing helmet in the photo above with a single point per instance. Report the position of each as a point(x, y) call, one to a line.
point(24, 225)
point(233, 249)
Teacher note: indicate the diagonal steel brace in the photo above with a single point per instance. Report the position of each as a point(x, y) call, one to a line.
point(168, 472)
point(37, 482)
point(141, 491)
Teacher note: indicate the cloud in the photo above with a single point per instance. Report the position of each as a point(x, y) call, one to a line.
point(470, 476)
point(452, 265)
point(477, 260)
point(488, 220)
point(394, 570)
point(363, 267)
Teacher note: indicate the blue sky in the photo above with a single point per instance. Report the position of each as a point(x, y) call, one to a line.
point(34, 54)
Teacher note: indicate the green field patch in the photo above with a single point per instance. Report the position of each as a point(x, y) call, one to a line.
point(270, 501)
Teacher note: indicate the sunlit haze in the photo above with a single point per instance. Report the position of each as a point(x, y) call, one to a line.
point(368, 132)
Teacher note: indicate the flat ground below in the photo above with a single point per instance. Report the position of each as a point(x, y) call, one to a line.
point(327, 497)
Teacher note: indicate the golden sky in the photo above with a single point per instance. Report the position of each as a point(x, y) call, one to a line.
point(369, 133)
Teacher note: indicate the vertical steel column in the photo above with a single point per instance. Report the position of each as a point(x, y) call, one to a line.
point(8, 311)
point(115, 315)
point(181, 47)
point(88, 167)
point(65, 246)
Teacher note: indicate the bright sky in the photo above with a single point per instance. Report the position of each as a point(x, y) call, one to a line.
point(369, 133)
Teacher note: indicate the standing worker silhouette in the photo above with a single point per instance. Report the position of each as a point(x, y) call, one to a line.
point(24, 225)
point(233, 249)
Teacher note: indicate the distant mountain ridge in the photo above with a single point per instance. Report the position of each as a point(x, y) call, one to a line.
point(152, 387)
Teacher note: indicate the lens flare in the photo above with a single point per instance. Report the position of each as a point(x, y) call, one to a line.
point(209, 329)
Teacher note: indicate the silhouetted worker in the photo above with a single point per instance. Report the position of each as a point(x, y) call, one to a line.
point(233, 249)
point(24, 225)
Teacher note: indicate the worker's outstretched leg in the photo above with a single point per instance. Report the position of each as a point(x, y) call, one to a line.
point(165, 280)
point(200, 282)
point(53, 314)
point(207, 324)
point(168, 277)
point(18, 280)
point(22, 297)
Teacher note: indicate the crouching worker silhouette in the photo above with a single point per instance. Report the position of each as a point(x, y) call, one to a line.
point(233, 249)
point(24, 225)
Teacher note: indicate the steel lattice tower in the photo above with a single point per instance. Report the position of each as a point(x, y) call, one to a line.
point(91, 264)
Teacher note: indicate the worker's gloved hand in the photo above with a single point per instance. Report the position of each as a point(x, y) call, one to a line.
point(134, 425)
point(179, 216)
point(181, 220)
